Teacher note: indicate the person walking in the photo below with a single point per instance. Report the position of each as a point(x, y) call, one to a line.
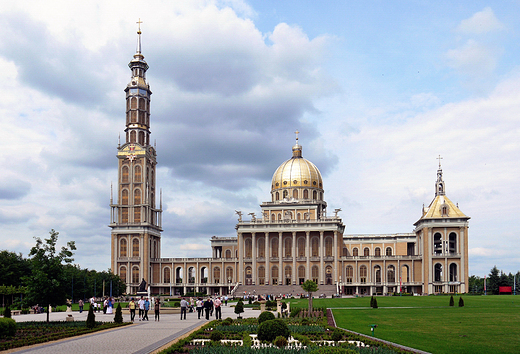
point(140, 303)
point(146, 308)
point(200, 306)
point(156, 308)
point(207, 307)
point(132, 306)
point(184, 307)
point(212, 307)
point(80, 303)
point(218, 310)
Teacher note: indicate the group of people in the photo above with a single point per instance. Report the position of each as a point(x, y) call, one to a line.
point(204, 307)
point(143, 305)
point(108, 305)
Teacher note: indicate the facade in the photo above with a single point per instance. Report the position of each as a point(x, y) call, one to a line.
point(290, 241)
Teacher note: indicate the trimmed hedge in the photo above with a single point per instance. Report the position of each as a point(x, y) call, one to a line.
point(270, 329)
point(265, 316)
point(7, 327)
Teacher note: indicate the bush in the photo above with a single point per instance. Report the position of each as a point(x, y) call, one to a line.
point(239, 308)
point(7, 312)
point(337, 335)
point(305, 321)
point(372, 301)
point(118, 318)
point(91, 318)
point(216, 336)
point(295, 311)
point(374, 304)
point(265, 316)
point(452, 302)
point(227, 321)
point(250, 301)
point(269, 330)
point(280, 341)
point(7, 327)
point(461, 302)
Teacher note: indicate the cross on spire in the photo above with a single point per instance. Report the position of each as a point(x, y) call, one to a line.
point(296, 132)
point(139, 26)
point(439, 158)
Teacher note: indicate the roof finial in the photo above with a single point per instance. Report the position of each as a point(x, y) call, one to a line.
point(439, 158)
point(296, 132)
point(139, 36)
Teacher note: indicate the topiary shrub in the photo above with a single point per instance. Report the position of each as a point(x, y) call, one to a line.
point(216, 336)
point(265, 316)
point(374, 303)
point(250, 301)
point(239, 308)
point(280, 341)
point(461, 302)
point(7, 327)
point(305, 321)
point(269, 330)
point(452, 302)
point(118, 318)
point(295, 311)
point(337, 335)
point(333, 350)
point(7, 312)
point(91, 318)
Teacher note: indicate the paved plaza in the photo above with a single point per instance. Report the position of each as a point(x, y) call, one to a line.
point(140, 338)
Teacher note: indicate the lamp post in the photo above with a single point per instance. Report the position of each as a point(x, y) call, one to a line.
point(229, 285)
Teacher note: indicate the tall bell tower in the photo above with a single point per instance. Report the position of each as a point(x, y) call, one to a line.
point(135, 220)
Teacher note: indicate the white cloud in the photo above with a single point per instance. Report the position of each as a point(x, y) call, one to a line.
point(481, 22)
point(473, 59)
point(193, 247)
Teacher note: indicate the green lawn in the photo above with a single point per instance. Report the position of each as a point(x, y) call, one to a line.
point(486, 324)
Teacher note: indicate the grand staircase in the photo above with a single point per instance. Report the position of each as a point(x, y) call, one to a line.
point(277, 290)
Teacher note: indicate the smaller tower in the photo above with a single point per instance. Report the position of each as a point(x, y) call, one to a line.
point(439, 184)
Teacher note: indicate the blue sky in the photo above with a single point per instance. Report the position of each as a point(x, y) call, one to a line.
point(377, 89)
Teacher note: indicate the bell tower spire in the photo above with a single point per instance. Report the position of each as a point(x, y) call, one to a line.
point(439, 184)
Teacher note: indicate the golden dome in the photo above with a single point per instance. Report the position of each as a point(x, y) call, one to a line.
point(297, 172)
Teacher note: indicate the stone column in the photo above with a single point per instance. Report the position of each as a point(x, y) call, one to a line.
point(294, 257)
point(321, 253)
point(253, 255)
point(280, 259)
point(339, 251)
point(267, 259)
point(240, 258)
point(308, 254)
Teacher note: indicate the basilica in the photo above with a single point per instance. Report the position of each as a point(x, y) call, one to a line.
point(292, 238)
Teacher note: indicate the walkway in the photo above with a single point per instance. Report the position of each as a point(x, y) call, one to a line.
point(140, 338)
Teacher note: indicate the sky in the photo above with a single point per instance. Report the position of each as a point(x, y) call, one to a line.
point(377, 89)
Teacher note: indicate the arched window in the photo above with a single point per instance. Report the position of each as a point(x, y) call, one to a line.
point(229, 274)
point(191, 275)
point(137, 174)
point(452, 246)
point(216, 275)
point(355, 252)
point(306, 194)
point(301, 247)
point(135, 274)
point(274, 275)
point(274, 247)
point(137, 202)
point(228, 253)
point(295, 193)
point(135, 247)
point(437, 244)
point(389, 251)
point(315, 273)
point(390, 274)
point(438, 272)
point(377, 274)
point(366, 252)
point(277, 196)
point(179, 274)
point(328, 275)
point(122, 248)
point(204, 275)
point(288, 275)
point(279, 217)
point(166, 275)
point(133, 135)
point(377, 252)
point(328, 247)
point(314, 195)
point(133, 104)
point(247, 244)
point(124, 215)
point(273, 218)
point(141, 138)
point(261, 247)
point(363, 274)
point(453, 272)
point(124, 174)
point(349, 274)
point(285, 193)
point(315, 246)
point(345, 252)
point(261, 275)
point(124, 197)
point(288, 247)
point(405, 274)
point(122, 274)
point(301, 275)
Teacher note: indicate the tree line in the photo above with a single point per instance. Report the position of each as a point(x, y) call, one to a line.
point(47, 276)
point(494, 280)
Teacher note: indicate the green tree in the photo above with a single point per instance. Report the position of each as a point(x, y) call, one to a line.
point(47, 285)
point(310, 287)
point(493, 281)
point(118, 318)
point(452, 302)
point(239, 308)
point(91, 318)
point(14, 268)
